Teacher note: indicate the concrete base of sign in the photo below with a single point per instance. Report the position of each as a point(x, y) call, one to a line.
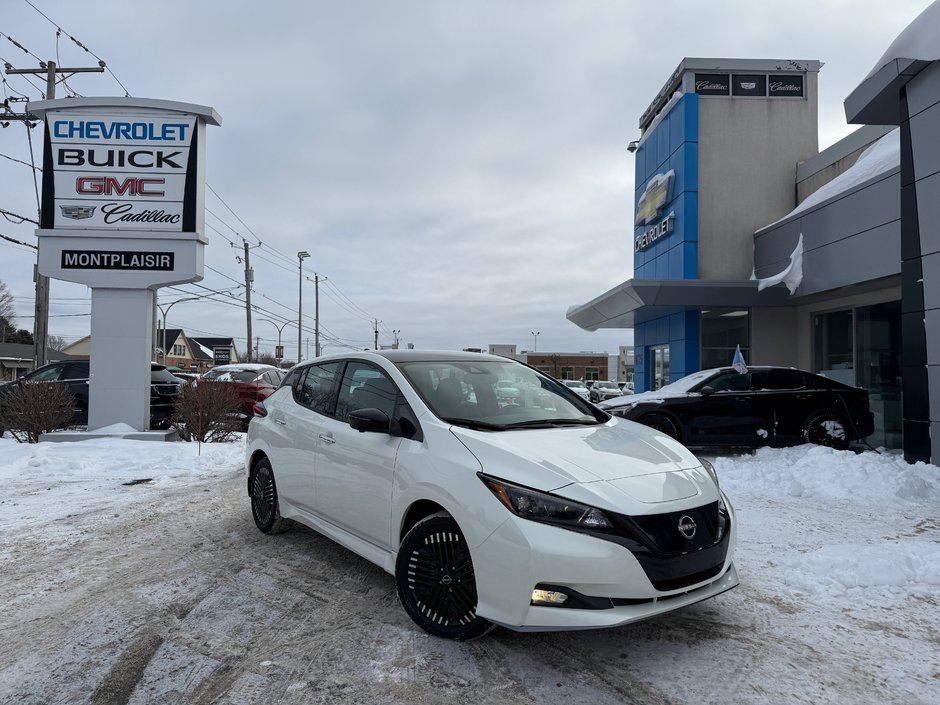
point(71, 436)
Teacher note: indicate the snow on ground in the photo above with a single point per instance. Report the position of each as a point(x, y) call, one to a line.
point(839, 557)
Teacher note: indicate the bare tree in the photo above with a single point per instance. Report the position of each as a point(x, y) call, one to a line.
point(206, 412)
point(7, 313)
point(56, 342)
point(35, 408)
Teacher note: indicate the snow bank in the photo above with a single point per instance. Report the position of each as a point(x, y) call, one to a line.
point(901, 568)
point(823, 473)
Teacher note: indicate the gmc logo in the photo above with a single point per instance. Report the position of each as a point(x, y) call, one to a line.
point(111, 186)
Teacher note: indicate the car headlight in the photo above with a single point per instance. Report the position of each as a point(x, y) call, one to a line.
point(710, 469)
point(546, 508)
point(621, 410)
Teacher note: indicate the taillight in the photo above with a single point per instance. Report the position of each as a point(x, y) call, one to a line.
point(259, 409)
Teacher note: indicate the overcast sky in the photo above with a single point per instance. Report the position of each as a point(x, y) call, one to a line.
point(456, 170)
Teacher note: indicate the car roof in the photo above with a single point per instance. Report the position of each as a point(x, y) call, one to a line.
point(244, 366)
point(396, 356)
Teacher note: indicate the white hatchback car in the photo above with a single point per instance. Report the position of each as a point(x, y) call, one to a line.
point(541, 515)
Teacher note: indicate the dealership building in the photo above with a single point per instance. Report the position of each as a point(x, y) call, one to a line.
point(746, 234)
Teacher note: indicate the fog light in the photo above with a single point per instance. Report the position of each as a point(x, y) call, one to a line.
point(548, 597)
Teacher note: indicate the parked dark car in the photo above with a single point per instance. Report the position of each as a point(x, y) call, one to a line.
point(255, 382)
point(164, 388)
point(766, 406)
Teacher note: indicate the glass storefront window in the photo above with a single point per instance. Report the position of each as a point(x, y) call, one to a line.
point(591, 373)
point(722, 330)
point(660, 366)
point(862, 347)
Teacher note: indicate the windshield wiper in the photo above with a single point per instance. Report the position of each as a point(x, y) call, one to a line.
point(473, 424)
point(551, 423)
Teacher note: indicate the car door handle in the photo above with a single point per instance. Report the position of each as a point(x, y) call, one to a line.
point(327, 438)
point(281, 421)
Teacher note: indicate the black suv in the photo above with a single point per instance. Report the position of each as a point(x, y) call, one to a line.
point(164, 388)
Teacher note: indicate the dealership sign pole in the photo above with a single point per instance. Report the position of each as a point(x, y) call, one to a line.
point(123, 209)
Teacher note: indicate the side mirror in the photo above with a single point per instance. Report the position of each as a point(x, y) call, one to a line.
point(372, 420)
point(706, 390)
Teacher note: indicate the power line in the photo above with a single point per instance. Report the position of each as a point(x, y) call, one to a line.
point(18, 242)
point(101, 62)
point(19, 161)
point(9, 215)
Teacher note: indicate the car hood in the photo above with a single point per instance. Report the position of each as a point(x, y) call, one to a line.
point(648, 397)
point(548, 459)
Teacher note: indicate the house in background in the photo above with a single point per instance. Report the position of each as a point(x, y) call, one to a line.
point(175, 350)
point(16, 359)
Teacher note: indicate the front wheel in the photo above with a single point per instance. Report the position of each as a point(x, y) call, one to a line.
point(435, 579)
point(827, 428)
point(661, 423)
point(264, 505)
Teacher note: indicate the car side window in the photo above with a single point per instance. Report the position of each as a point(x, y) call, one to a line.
point(365, 387)
point(272, 378)
point(75, 371)
point(315, 390)
point(49, 374)
point(783, 380)
point(731, 382)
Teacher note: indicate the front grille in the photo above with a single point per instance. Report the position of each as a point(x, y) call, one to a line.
point(672, 561)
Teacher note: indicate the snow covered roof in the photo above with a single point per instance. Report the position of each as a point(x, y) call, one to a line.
point(919, 40)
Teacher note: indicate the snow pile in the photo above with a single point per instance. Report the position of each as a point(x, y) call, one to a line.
point(792, 275)
point(889, 570)
point(824, 473)
point(48, 481)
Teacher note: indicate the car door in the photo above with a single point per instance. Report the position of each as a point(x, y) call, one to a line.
point(721, 412)
point(355, 470)
point(786, 398)
point(297, 412)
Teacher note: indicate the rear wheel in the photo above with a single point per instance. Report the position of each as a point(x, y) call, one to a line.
point(435, 579)
point(661, 423)
point(264, 505)
point(827, 428)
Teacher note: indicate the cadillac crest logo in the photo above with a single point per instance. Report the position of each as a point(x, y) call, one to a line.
point(77, 212)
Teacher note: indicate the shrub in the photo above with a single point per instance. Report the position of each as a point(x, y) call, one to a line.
point(34, 408)
point(206, 412)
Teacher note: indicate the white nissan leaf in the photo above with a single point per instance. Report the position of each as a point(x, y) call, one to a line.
point(535, 511)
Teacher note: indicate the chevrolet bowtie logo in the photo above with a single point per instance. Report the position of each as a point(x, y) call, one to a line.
point(657, 194)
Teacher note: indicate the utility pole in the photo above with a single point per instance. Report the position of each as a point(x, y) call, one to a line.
point(316, 320)
point(375, 328)
point(41, 319)
point(249, 279)
point(301, 256)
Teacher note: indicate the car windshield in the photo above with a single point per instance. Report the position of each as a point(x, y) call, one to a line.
point(231, 375)
point(686, 383)
point(606, 385)
point(472, 394)
point(575, 384)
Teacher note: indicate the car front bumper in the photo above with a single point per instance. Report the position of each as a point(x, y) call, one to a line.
point(521, 555)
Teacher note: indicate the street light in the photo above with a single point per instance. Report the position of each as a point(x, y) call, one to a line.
point(535, 340)
point(280, 329)
point(301, 256)
point(165, 312)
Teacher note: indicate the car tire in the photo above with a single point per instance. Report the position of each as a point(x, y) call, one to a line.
point(264, 504)
point(661, 423)
point(435, 580)
point(827, 428)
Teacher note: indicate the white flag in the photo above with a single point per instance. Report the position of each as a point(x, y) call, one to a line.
point(738, 362)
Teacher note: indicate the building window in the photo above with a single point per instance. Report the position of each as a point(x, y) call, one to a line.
point(862, 346)
point(660, 368)
point(179, 351)
point(722, 331)
point(567, 373)
point(591, 373)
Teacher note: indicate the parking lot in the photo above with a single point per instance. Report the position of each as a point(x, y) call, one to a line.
point(171, 595)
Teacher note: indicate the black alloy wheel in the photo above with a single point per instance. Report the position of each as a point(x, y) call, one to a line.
point(827, 428)
point(264, 506)
point(661, 423)
point(435, 579)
